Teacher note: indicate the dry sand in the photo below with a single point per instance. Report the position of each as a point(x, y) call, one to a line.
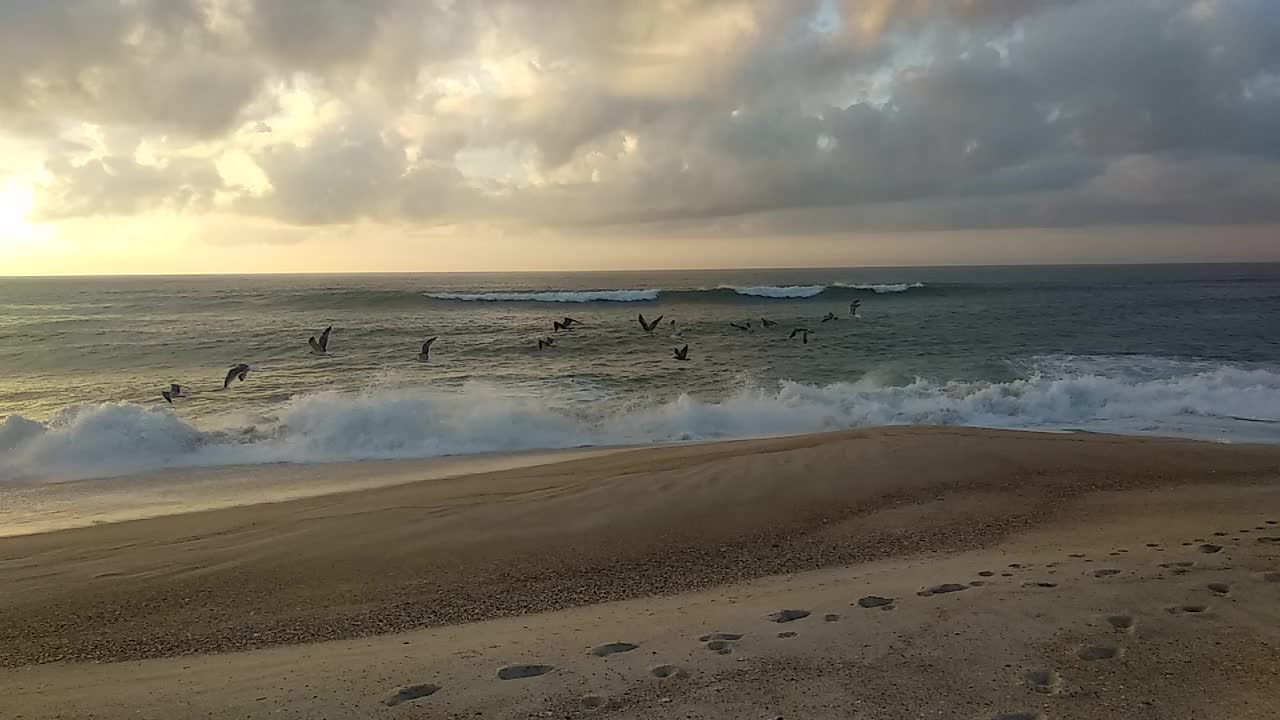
point(1092, 576)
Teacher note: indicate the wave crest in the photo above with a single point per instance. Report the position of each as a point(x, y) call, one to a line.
point(1104, 394)
point(551, 296)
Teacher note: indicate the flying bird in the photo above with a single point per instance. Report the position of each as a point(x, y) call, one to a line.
point(569, 322)
point(648, 325)
point(766, 322)
point(321, 346)
point(802, 332)
point(546, 342)
point(829, 316)
point(236, 373)
point(425, 355)
point(557, 326)
point(681, 353)
point(175, 391)
point(743, 328)
point(853, 308)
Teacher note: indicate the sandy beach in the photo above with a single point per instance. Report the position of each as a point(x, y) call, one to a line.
point(890, 573)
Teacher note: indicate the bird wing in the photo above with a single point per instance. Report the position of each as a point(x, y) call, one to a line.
point(237, 372)
point(315, 346)
point(324, 338)
point(175, 388)
point(643, 324)
point(168, 397)
point(426, 346)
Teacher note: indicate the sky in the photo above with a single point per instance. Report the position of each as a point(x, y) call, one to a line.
point(236, 136)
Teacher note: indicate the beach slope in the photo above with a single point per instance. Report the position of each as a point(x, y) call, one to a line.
point(1072, 575)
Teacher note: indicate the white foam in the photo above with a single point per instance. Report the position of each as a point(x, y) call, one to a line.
point(881, 289)
point(552, 296)
point(777, 291)
point(1125, 395)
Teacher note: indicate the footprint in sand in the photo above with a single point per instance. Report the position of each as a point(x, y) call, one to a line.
point(1153, 545)
point(942, 589)
point(1044, 681)
point(411, 693)
point(875, 601)
point(1122, 623)
point(1188, 609)
point(720, 643)
point(1271, 522)
point(1210, 548)
point(1219, 534)
point(664, 672)
point(613, 649)
point(1220, 589)
point(1269, 540)
point(831, 617)
point(521, 672)
point(977, 583)
point(1104, 572)
point(593, 702)
point(788, 634)
point(1039, 584)
point(786, 616)
point(985, 573)
point(1093, 653)
point(1076, 555)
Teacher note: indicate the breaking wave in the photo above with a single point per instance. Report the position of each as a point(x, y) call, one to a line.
point(650, 295)
point(557, 296)
point(1126, 395)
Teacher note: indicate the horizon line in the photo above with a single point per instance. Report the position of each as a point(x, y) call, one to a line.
point(297, 273)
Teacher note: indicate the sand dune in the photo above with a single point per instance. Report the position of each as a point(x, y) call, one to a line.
point(903, 572)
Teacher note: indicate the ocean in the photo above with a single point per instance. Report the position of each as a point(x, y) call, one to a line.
point(1177, 350)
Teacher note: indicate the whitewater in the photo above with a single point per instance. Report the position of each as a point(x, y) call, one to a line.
point(1038, 350)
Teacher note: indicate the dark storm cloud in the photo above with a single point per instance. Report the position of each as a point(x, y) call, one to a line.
point(824, 115)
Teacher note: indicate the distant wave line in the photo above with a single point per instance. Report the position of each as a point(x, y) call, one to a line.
point(650, 295)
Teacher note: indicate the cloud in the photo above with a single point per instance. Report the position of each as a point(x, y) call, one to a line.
point(722, 115)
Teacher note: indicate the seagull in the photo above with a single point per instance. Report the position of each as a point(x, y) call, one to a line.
point(557, 326)
point(648, 325)
point(569, 322)
point(829, 316)
point(743, 328)
point(321, 346)
point(766, 322)
point(175, 391)
point(681, 353)
point(236, 373)
point(425, 355)
point(853, 308)
point(546, 342)
point(802, 332)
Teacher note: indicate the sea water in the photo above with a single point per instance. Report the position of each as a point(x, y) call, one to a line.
point(1179, 350)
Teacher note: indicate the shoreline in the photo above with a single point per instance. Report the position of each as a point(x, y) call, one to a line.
point(48, 506)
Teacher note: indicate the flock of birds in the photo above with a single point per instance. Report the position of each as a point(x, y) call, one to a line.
point(320, 345)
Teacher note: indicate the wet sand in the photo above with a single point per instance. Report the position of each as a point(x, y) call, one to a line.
point(996, 549)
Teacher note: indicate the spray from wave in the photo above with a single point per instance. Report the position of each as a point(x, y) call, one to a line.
point(1125, 395)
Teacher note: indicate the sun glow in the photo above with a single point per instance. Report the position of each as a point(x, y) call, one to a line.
point(16, 203)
